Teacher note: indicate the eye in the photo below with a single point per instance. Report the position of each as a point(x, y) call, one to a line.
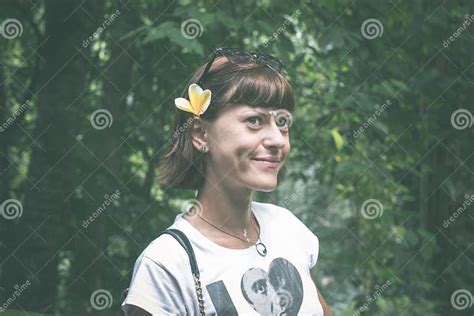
point(260, 287)
point(283, 120)
point(252, 119)
point(283, 124)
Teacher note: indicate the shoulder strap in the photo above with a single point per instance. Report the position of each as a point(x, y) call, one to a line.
point(184, 241)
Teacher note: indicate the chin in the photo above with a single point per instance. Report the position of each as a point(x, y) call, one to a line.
point(267, 190)
point(268, 187)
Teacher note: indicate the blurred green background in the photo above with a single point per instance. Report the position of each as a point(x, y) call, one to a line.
point(381, 166)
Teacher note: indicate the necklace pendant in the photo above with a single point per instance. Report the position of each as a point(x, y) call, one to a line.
point(261, 249)
point(245, 235)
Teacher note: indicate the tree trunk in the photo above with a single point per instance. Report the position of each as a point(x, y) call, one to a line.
point(4, 163)
point(62, 81)
point(109, 147)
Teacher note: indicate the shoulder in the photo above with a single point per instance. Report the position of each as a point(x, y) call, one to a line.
point(281, 216)
point(275, 212)
point(270, 209)
point(166, 251)
point(159, 282)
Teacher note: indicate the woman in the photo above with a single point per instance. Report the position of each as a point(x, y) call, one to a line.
point(230, 138)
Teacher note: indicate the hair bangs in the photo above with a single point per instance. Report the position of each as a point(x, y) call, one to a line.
point(262, 87)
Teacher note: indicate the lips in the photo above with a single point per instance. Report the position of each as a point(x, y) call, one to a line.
point(268, 162)
point(269, 159)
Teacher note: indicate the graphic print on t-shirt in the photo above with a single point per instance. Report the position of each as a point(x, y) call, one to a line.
point(276, 292)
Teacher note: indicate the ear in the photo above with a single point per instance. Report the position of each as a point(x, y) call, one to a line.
point(199, 134)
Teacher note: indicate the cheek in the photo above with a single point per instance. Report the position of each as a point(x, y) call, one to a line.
point(231, 148)
point(224, 135)
point(221, 143)
point(240, 155)
point(236, 144)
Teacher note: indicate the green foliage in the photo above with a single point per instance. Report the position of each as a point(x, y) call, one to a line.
point(373, 121)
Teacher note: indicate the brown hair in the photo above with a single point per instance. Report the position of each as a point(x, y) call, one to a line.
point(231, 84)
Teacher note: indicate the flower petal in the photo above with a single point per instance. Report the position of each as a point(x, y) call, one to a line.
point(194, 92)
point(205, 101)
point(183, 104)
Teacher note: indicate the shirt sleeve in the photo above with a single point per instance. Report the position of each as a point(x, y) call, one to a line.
point(313, 248)
point(308, 239)
point(154, 289)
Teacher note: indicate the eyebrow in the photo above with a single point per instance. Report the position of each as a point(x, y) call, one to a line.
point(260, 112)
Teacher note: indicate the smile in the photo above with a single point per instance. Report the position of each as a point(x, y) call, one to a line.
point(267, 164)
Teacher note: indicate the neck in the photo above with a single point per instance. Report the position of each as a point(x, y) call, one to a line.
point(226, 206)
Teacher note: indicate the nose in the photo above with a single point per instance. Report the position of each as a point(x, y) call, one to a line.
point(274, 137)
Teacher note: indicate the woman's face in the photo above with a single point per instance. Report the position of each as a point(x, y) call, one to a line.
point(238, 138)
point(260, 293)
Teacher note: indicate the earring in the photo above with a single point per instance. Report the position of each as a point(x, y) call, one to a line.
point(203, 148)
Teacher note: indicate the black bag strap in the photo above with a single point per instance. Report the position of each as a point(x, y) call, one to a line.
point(184, 242)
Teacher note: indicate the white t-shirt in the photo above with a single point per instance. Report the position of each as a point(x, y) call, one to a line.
point(234, 281)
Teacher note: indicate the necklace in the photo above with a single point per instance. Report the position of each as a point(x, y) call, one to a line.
point(259, 245)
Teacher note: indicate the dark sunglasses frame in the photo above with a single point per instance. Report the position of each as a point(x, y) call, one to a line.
point(236, 56)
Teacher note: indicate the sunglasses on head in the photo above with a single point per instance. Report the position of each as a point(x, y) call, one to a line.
point(237, 56)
